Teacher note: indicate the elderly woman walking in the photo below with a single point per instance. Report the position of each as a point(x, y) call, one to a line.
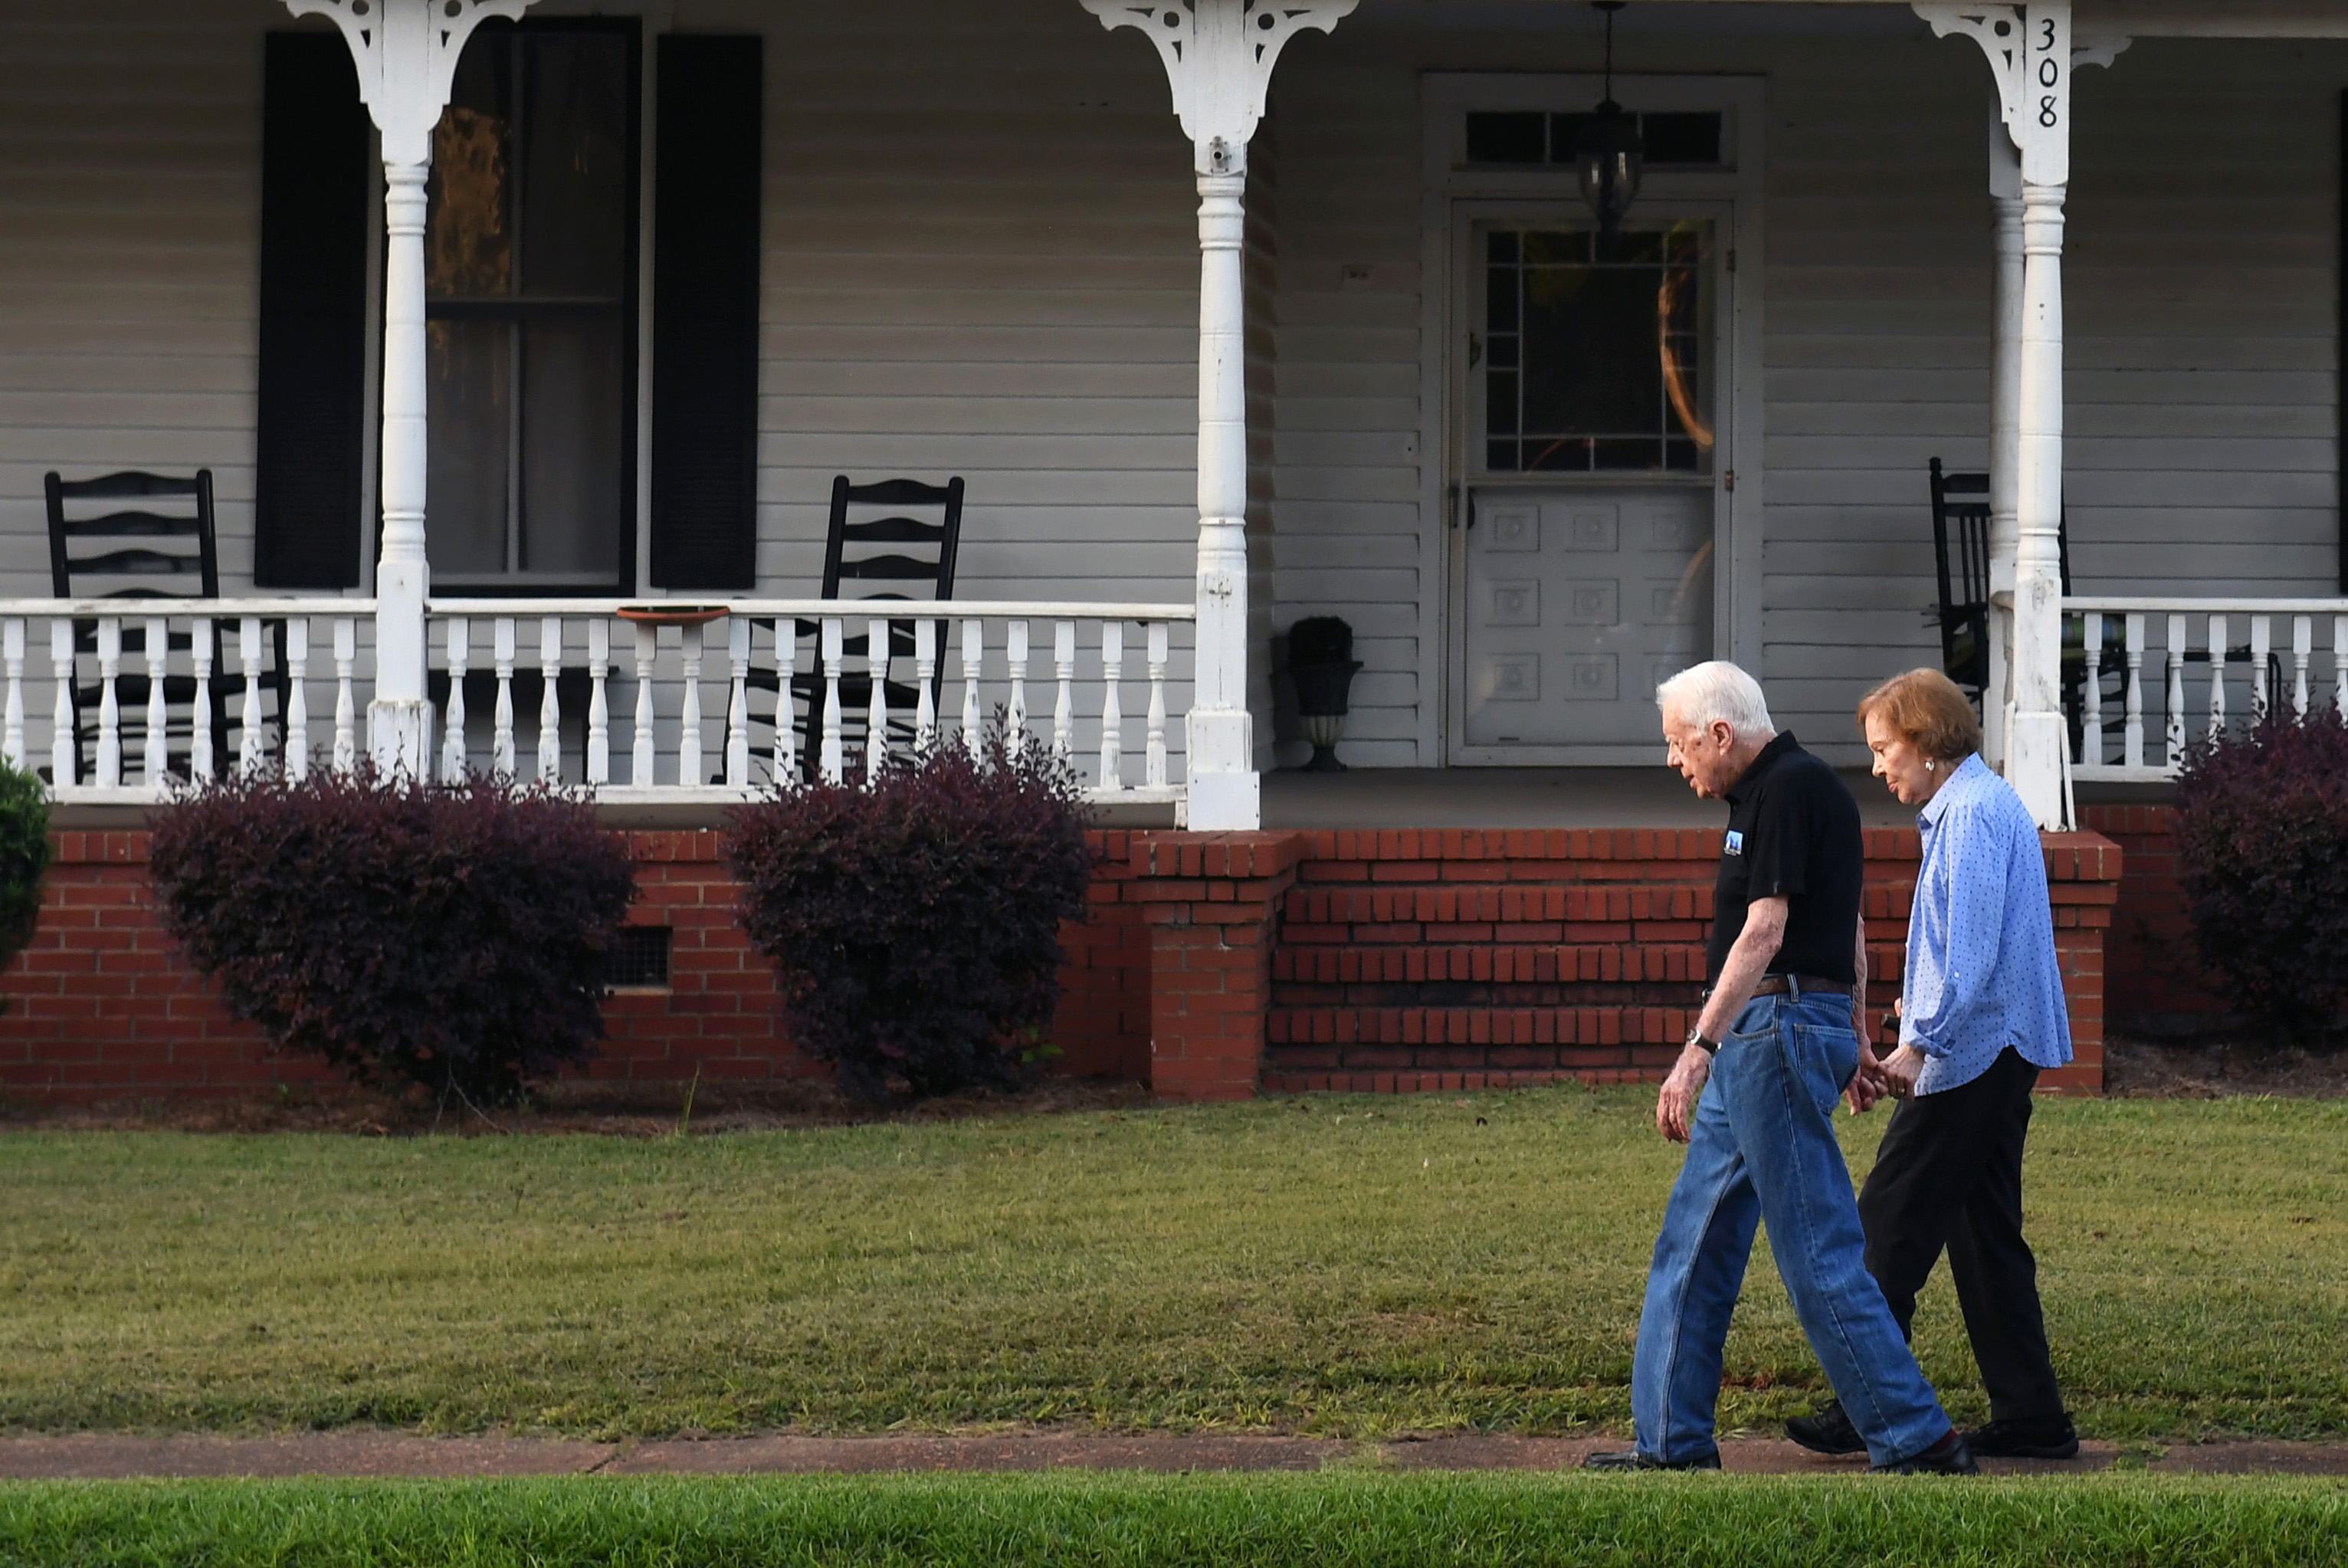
point(1981, 1013)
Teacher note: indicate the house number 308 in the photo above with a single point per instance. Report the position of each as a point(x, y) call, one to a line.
point(2049, 73)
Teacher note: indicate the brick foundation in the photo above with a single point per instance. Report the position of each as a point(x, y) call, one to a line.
point(1213, 963)
point(100, 1007)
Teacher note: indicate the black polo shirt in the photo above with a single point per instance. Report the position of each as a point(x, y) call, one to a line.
point(1793, 831)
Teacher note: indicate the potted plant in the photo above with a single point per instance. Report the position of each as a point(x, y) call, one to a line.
point(1321, 662)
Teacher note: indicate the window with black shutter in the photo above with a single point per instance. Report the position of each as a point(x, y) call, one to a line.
point(705, 249)
point(529, 286)
point(309, 497)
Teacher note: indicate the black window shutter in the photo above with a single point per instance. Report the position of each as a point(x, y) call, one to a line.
point(706, 242)
point(314, 189)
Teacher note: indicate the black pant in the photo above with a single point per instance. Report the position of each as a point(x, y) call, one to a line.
point(1949, 1175)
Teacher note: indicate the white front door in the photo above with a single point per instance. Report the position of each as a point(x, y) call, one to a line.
point(1579, 604)
point(1585, 570)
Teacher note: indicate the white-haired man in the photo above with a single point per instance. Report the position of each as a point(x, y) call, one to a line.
point(1753, 1097)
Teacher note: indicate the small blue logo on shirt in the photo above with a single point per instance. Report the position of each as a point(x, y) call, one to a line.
point(1735, 842)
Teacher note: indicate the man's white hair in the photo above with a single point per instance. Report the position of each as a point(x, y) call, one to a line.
point(1718, 692)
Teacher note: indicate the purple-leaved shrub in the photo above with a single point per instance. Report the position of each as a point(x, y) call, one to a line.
point(915, 924)
point(2263, 851)
point(447, 936)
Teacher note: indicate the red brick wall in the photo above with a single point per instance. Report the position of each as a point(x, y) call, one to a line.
point(99, 1006)
point(2157, 984)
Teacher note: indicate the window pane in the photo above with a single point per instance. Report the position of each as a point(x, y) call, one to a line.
point(1504, 138)
point(575, 164)
point(572, 439)
point(1590, 365)
point(1681, 137)
point(1607, 366)
point(469, 366)
point(468, 243)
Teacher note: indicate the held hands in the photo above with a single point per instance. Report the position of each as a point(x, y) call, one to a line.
point(1889, 1077)
point(1675, 1106)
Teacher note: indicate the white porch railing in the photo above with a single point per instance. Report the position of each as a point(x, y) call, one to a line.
point(102, 695)
point(2211, 664)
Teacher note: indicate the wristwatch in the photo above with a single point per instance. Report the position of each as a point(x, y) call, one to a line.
point(1695, 1037)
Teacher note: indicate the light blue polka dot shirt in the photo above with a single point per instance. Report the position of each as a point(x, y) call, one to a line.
point(1981, 971)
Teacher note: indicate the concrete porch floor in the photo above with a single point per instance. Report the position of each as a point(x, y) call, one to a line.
point(1519, 798)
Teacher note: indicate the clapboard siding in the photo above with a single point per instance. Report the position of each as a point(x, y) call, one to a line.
point(980, 258)
point(129, 220)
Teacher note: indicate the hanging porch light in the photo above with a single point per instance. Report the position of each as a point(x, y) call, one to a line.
point(1612, 158)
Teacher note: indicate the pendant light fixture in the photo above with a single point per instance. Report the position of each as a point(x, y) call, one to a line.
point(1611, 159)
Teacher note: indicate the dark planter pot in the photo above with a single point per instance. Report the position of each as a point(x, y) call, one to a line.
point(1321, 691)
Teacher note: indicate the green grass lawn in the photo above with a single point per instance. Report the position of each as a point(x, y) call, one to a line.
point(1336, 1520)
point(1339, 1265)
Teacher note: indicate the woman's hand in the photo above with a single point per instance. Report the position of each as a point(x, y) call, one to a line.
point(1899, 1070)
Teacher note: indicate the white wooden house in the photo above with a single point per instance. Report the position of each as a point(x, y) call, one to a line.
point(679, 262)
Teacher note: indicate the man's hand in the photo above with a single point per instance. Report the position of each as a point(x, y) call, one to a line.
point(1675, 1106)
point(1867, 1085)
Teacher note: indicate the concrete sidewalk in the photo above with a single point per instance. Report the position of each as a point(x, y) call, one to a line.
point(97, 1456)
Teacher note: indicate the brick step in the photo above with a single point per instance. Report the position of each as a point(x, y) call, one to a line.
point(1493, 963)
point(1290, 1027)
point(1410, 1080)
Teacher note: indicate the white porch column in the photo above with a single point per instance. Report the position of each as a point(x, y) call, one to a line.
point(1219, 56)
point(2029, 53)
point(2004, 425)
point(407, 52)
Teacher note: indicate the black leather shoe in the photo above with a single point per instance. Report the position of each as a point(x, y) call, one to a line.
point(1632, 1459)
point(1827, 1432)
point(2053, 1438)
point(1948, 1456)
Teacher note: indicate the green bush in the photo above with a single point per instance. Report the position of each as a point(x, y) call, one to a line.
point(23, 857)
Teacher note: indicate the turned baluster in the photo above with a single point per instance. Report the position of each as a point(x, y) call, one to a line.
point(550, 703)
point(346, 734)
point(298, 700)
point(2173, 707)
point(599, 701)
point(65, 748)
point(974, 654)
point(640, 764)
point(109, 710)
point(1064, 703)
point(501, 735)
point(1112, 745)
point(876, 709)
point(925, 670)
point(787, 707)
point(833, 763)
point(1156, 757)
point(1017, 722)
point(12, 650)
point(454, 757)
point(249, 753)
point(155, 753)
point(689, 770)
point(2132, 725)
point(203, 638)
point(738, 702)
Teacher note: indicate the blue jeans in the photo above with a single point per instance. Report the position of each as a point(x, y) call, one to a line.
point(1763, 1147)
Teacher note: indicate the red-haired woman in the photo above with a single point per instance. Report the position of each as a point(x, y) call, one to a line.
point(1981, 1014)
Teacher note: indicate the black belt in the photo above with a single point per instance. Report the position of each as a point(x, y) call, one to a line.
point(1797, 986)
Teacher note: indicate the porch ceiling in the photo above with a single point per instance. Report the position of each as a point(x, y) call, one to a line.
point(2155, 18)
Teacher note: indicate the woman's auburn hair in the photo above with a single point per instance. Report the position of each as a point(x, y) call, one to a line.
point(1925, 708)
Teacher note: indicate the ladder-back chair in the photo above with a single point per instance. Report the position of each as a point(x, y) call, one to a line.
point(891, 556)
point(133, 536)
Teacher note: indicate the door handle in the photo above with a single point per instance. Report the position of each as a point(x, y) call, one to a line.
point(1475, 350)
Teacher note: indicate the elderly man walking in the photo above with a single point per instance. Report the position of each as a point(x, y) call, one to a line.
point(1753, 1097)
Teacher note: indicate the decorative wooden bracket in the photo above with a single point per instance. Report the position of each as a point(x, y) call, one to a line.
point(405, 51)
point(1219, 56)
point(2031, 54)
